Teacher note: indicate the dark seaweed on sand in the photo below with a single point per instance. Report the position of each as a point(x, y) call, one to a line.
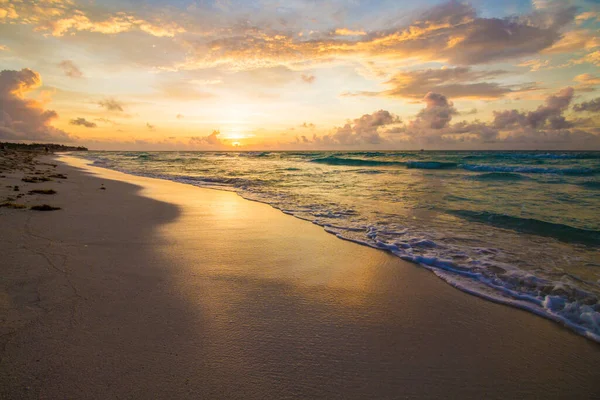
point(44, 207)
point(12, 205)
point(42, 191)
point(35, 179)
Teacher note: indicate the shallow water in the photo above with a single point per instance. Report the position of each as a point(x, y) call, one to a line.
point(521, 228)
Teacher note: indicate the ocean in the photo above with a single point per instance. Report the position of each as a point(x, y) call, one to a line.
point(518, 228)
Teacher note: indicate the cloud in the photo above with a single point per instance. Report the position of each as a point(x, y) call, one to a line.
point(8, 11)
point(21, 118)
point(349, 32)
point(544, 127)
point(308, 125)
point(363, 130)
point(535, 65)
point(451, 32)
point(179, 116)
point(433, 127)
point(211, 140)
point(3, 47)
point(459, 82)
point(437, 113)
point(547, 115)
point(302, 139)
point(590, 106)
point(308, 78)
point(111, 105)
point(70, 69)
point(150, 126)
point(575, 41)
point(106, 121)
point(586, 16)
point(83, 122)
point(62, 18)
point(586, 82)
point(590, 58)
point(472, 111)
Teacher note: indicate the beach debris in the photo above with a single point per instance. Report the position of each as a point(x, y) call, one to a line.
point(42, 191)
point(12, 205)
point(44, 207)
point(16, 188)
point(102, 186)
point(35, 179)
point(58, 176)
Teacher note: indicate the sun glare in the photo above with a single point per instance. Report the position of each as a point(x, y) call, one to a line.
point(233, 136)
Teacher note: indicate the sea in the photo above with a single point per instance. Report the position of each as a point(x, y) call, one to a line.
point(517, 228)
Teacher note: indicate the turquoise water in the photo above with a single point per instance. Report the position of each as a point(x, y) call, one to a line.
point(520, 228)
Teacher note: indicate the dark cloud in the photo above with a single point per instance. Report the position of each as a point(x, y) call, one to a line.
point(483, 40)
point(432, 127)
point(549, 114)
point(590, 106)
point(437, 113)
point(307, 125)
point(83, 122)
point(363, 130)
point(21, 118)
point(150, 126)
point(459, 82)
point(111, 105)
point(70, 69)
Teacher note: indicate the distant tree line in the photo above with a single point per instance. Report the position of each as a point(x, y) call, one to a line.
point(40, 147)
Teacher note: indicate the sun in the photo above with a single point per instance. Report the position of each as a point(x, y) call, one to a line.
point(236, 144)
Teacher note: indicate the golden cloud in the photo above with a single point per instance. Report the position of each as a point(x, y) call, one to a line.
point(60, 17)
point(575, 41)
point(450, 32)
point(349, 32)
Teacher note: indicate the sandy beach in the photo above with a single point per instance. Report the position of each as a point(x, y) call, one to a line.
point(141, 288)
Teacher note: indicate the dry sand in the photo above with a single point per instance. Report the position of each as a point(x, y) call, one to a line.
point(153, 289)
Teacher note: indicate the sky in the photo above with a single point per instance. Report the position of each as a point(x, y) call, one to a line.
point(301, 74)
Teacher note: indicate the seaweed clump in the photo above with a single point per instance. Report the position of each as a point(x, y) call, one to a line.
point(45, 207)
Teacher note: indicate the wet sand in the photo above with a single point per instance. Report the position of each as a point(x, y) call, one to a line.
point(154, 289)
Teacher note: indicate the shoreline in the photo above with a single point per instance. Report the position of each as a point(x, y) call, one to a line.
point(454, 276)
point(181, 291)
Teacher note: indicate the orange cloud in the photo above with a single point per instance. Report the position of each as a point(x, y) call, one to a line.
point(21, 118)
point(575, 41)
point(61, 17)
point(349, 32)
